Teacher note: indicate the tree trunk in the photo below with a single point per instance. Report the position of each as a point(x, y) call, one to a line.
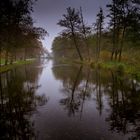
point(122, 44)
point(84, 33)
point(11, 59)
point(1, 92)
point(112, 53)
point(114, 42)
point(15, 56)
point(100, 35)
point(87, 46)
point(116, 53)
point(75, 42)
point(24, 54)
point(6, 58)
point(0, 55)
point(97, 47)
point(78, 51)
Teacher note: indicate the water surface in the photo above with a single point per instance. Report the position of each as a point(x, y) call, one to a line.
point(51, 101)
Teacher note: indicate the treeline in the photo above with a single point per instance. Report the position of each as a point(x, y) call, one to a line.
point(120, 32)
point(19, 39)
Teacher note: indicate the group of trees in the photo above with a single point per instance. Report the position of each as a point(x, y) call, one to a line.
point(75, 28)
point(18, 36)
point(124, 17)
point(123, 22)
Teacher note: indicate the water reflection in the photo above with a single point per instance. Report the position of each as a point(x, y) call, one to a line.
point(124, 106)
point(84, 103)
point(114, 93)
point(71, 102)
point(18, 101)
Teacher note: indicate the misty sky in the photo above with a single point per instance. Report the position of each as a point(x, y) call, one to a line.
point(48, 12)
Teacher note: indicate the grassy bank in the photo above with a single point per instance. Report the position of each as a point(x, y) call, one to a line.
point(4, 68)
point(119, 66)
point(128, 67)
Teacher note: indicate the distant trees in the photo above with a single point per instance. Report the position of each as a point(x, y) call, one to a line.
point(62, 47)
point(17, 32)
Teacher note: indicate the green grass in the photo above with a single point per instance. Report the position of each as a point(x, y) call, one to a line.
point(126, 68)
point(129, 68)
point(15, 64)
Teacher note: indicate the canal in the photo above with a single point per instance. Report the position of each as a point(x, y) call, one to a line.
point(51, 101)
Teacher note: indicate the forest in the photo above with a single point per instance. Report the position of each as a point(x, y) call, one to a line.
point(19, 39)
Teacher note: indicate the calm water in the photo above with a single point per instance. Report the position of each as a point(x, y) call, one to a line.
point(50, 101)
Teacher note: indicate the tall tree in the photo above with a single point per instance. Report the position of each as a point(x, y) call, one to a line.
point(16, 26)
point(114, 26)
point(99, 29)
point(130, 19)
point(124, 15)
point(71, 21)
point(85, 31)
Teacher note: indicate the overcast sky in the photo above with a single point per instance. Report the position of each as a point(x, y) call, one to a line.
point(48, 12)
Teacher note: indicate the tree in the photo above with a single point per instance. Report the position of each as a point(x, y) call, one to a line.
point(124, 15)
point(71, 22)
point(84, 30)
point(16, 27)
point(99, 28)
point(130, 19)
point(114, 26)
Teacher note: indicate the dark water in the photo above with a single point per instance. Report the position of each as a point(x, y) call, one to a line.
point(49, 101)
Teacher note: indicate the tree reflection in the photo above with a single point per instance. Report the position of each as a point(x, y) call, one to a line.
point(124, 104)
point(75, 88)
point(98, 91)
point(114, 93)
point(17, 103)
point(71, 102)
point(85, 91)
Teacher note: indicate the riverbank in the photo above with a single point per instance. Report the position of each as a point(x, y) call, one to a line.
point(127, 68)
point(123, 67)
point(4, 68)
